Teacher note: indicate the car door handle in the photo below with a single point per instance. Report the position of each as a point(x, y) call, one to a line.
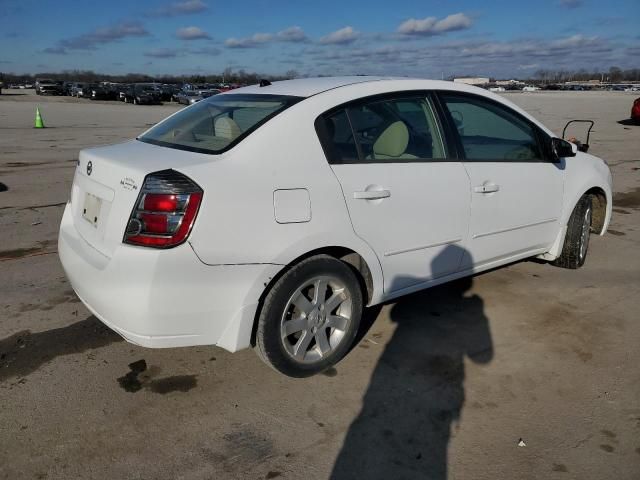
point(486, 188)
point(371, 194)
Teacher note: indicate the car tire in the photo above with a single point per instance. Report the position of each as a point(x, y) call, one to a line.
point(301, 332)
point(135, 101)
point(576, 240)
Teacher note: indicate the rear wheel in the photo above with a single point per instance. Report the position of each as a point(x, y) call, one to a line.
point(310, 317)
point(576, 241)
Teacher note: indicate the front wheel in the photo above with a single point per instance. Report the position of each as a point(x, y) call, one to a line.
point(576, 241)
point(310, 317)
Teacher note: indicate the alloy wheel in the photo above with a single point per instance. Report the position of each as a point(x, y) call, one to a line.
point(584, 234)
point(316, 318)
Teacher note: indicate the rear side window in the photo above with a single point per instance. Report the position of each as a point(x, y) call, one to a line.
point(216, 124)
point(339, 138)
point(383, 131)
point(489, 131)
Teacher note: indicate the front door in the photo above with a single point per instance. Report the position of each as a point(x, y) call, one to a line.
point(406, 199)
point(516, 192)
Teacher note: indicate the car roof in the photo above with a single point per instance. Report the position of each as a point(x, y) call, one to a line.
point(309, 87)
point(306, 87)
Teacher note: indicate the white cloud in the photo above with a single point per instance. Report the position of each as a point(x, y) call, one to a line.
point(292, 34)
point(481, 58)
point(192, 33)
point(343, 36)
point(99, 36)
point(255, 40)
point(432, 26)
point(186, 7)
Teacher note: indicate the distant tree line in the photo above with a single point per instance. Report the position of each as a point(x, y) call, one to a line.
point(241, 76)
point(227, 76)
point(613, 75)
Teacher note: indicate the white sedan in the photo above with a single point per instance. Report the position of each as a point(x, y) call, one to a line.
point(271, 216)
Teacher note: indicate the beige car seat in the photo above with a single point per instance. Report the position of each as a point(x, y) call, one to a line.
point(227, 128)
point(392, 143)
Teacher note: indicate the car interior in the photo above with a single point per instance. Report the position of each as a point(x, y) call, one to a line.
point(213, 126)
point(393, 130)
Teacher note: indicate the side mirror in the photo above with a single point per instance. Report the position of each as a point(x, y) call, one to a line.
point(562, 148)
point(582, 146)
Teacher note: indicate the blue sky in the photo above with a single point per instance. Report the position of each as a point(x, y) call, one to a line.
point(419, 38)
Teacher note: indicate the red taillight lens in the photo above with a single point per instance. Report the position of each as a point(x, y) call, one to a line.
point(165, 210)
point(158, 202)
point(155, 223)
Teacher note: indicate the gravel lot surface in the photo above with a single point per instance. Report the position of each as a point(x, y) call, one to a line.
point(445, 383)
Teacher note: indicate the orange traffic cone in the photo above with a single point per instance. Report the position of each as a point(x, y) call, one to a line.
point(38, 123)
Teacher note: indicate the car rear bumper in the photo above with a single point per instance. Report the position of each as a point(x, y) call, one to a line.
point(164, 298)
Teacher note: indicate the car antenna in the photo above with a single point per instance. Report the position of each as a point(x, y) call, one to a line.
point(264, 83)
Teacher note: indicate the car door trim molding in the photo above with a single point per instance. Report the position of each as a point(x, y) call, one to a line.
point(518, 227)
point(414, 249)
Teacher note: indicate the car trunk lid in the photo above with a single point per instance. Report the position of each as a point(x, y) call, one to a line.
point(107, 183)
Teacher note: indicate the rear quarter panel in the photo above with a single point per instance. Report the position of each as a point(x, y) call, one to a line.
point(237, 224)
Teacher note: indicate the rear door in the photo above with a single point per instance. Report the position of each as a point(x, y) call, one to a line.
point(516, 191)
point(406, 198)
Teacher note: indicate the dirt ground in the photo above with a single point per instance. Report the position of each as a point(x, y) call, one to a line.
point(445, 384)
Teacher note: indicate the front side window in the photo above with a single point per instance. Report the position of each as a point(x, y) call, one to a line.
point(489, 131)
point(216, 124)
point(384, 131)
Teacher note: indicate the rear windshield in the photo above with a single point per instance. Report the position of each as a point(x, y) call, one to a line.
point(218, 123)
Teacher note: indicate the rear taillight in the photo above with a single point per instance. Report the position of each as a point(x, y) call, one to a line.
point(164, 211)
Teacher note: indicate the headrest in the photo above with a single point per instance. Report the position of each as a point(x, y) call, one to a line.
point(227, 128)
point(393, 141)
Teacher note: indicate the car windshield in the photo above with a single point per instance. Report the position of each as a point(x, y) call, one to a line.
point(217, 123)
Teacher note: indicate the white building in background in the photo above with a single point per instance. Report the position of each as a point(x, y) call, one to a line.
point(509, 82)
point(472, 80)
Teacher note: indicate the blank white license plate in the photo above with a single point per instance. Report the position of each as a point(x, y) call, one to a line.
point(91, 209)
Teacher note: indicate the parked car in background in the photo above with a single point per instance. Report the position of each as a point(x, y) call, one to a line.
point(66, 88)
point(210, 93)
point(188, 97)
point(345, 192)
point(635, 110)
point(77, 89)
point(99, 92)
point(120, 90)
point(191, 97)
point(46, 86)
point(167, 92)
point(142, 94)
